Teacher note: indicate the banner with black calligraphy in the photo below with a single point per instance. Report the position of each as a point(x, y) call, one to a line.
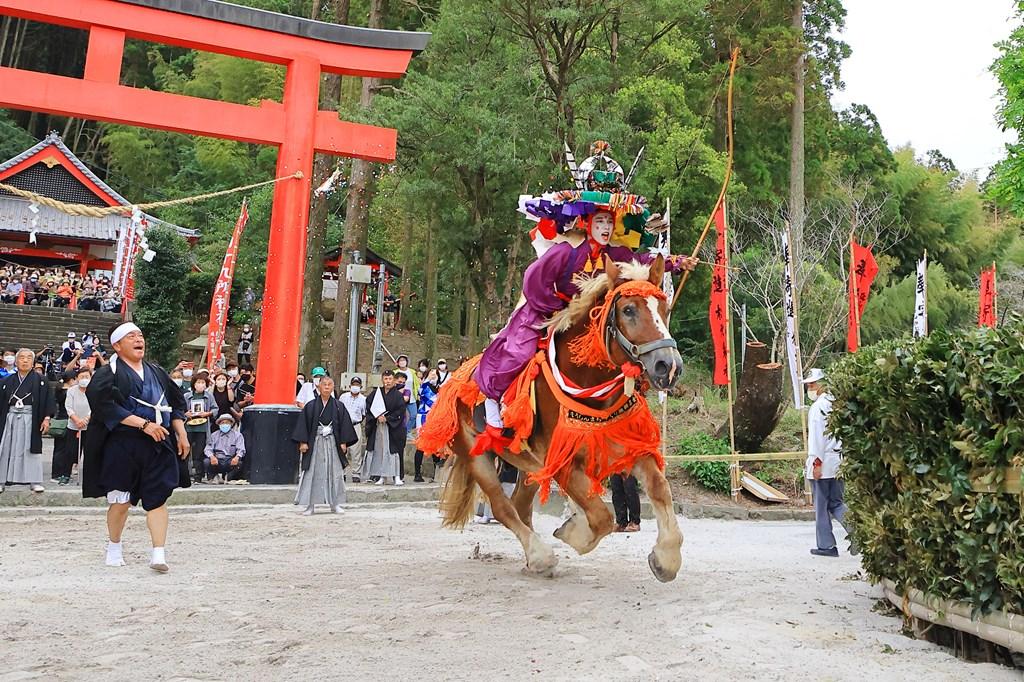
point(921, 299)
point(718, 310)
point(789, 311)
point(222, 293)
point(863, 269)
point(987, 298)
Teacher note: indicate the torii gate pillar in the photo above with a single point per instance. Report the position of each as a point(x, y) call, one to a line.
point(295, 126)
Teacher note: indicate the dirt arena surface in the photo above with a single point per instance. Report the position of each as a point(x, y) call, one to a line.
point(383, 593)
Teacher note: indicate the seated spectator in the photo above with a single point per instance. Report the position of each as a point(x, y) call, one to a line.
point(30, 286)
point(64, 295)
point(111, 302)
point(69, 349)
point(224, 451)
point(12, 290)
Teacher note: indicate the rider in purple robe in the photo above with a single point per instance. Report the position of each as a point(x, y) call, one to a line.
point(548, 287)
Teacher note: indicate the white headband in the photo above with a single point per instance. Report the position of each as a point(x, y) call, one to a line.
point(123, 331)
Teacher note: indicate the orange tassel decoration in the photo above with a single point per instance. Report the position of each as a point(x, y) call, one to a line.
point(611, 447)
point(442, 423)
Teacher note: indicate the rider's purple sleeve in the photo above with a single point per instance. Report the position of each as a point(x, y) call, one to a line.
point(539, 281)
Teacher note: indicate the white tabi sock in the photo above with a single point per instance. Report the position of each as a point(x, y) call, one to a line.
point(115, 554)
point(158, 556)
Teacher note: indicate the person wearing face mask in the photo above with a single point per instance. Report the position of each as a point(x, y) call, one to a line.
point(178, 377)
point(245, 389)
point(7, 369)
point(824, 454)
point(355, 403)
point(79, 412)
point(442, 372)
point(413, 384)
point(224, 452)
point(309, 389)
point(428, 396)
point(245, 343)
point(231, 369)
point(201, 406)
point(26, 407)
point(223, 395)
point(300, 381)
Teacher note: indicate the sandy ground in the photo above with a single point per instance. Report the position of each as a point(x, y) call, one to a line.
point(384, 593)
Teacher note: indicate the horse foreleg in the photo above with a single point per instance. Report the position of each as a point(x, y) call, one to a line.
point(522, 499)
point(540, 558)
point(584, 531)
point(666, 557)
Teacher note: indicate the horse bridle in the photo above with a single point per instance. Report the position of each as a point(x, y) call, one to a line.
point(633, 351)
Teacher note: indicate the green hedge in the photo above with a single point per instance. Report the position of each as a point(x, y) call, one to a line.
point(916, 418)
point(711, 475)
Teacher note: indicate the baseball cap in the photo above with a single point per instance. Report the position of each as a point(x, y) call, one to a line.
point(318, 372)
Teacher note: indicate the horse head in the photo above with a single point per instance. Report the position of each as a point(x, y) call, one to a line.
point(636, 325)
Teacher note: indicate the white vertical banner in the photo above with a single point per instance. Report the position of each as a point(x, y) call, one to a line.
point(921, 299)
point(789, 310)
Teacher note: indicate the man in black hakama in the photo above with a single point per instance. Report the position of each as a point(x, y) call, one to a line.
point(26, 406)
point(136, 443)
point(324, 433)
point(385, 431)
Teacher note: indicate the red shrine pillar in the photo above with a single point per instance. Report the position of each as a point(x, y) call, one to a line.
point(269, 423)
point(286, 254)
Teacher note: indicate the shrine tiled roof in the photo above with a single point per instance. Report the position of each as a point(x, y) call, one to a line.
point(53, 179)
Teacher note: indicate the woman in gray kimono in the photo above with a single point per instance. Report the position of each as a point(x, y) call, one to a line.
point(26, 405)
point(324, 433)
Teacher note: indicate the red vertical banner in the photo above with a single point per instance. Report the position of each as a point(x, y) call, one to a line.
point(222, 293)
point(987, 298)
point(863, 269)
point(718, 310)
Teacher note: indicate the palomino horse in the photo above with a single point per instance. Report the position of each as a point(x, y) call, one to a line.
point(626, 309)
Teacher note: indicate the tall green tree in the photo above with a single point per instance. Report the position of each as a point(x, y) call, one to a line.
point(159, 304)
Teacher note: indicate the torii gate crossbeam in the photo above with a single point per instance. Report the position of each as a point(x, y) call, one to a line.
point(295, 126)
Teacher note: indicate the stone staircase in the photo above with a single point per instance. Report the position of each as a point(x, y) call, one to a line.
point(33, 327)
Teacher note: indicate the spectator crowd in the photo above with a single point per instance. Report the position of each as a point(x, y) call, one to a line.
point(57, 288)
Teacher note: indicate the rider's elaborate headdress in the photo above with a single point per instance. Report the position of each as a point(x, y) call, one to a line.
point(601, 185)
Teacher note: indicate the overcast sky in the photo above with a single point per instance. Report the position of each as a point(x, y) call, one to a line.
point(922, 67)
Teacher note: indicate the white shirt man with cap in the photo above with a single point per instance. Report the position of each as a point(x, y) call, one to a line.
point(824, 454)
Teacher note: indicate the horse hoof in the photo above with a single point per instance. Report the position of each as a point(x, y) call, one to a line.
point(562, 530)
point(544, 567)
point(660, 573)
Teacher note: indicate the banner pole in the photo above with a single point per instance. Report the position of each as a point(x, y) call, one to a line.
point(855, 303)
point(734, 468)
point(926, 292)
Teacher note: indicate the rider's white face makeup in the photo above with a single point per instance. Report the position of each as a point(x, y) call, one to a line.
point(602, 227)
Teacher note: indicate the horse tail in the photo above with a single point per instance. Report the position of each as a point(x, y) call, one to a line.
point(459, 496)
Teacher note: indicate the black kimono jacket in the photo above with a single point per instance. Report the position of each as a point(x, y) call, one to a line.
point(106, 389)
point(43, 404)
point(335, 414)
point(396, 416)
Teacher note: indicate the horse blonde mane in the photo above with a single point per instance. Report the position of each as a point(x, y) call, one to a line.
point(591, 289)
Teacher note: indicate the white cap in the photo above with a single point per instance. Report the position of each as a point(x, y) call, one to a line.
point(71, 335)
point(814, 376)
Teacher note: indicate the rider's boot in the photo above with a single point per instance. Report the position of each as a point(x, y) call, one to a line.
point(493, 437)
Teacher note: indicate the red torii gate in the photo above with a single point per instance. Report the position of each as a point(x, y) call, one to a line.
point(296, 126)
